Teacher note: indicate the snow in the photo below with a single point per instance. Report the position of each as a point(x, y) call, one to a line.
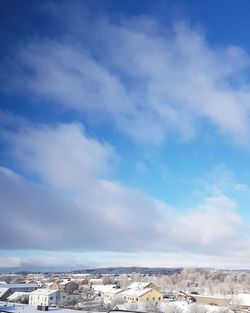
point(3, 290)
point(136, 292)
point(104, 288)
point(43, 292)
point(18, 294)
point(138, 285)
point(242, 299)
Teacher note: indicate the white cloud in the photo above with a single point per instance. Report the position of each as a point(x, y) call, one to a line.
point(45, 261)
point(86, 210)
point(10, 262)
point(150, 82)
point(62, 156)
point(209, 225)
point(220, 179)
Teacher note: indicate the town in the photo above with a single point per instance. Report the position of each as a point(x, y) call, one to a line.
point(181, 290)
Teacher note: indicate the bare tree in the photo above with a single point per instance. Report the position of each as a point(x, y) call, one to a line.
point(153, 307)
point(197, 308)
point(132, 306)
point(173, 308)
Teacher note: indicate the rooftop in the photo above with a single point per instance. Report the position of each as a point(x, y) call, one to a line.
point(241, 299)
point(3, 290)
point(17, 294)
point(136, 292)
point(139, 285)
point(44, 292)
point(19, 285)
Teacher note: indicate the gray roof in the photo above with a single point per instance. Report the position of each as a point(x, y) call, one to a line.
point(18, 286)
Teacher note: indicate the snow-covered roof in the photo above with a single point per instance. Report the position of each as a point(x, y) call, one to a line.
point(241, 299)
point(103, 288)
point(80, 275)
point(114, 290)
point(18, 294)
point(3, 290)
point(65, 282)
point(43, 292)
point(93, 280)
point(226, 297)
point(139, 285)
point(136, 292)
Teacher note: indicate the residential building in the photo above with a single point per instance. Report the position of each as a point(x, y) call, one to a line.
point(210, 300)
point(45, 297)
point(68, 286)
point(142, 295)
point(111, 295)
point(241, 301)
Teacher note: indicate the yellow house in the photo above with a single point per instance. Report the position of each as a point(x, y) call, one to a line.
point(142, 295)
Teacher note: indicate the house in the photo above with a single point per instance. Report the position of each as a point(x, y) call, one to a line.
point(210, 300)
point(45, 297)
point(241, 301)
point(142, 295)
point(141, 292)
point(111, 295)
point(100, 290)
point(68, 286)
point(69, 298)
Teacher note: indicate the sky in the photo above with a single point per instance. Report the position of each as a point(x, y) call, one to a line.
point(124, 134)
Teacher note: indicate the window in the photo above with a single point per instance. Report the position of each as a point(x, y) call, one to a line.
point(51, 298)
point(153, 298)
point(136, 299)
point(159, 298)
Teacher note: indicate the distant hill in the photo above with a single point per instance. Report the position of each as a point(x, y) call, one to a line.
point(130, 270)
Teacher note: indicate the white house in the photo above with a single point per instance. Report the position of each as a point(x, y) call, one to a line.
point(111, 294)
point(45, 297)
point(241, 301)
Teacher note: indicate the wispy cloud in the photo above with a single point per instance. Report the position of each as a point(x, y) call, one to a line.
point(150, 81)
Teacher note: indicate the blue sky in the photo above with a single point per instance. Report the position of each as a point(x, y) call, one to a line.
point(124, 132)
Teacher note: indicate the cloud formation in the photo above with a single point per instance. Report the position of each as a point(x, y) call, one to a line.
point(149, 81)
point(146, 82)
point(72, 204)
